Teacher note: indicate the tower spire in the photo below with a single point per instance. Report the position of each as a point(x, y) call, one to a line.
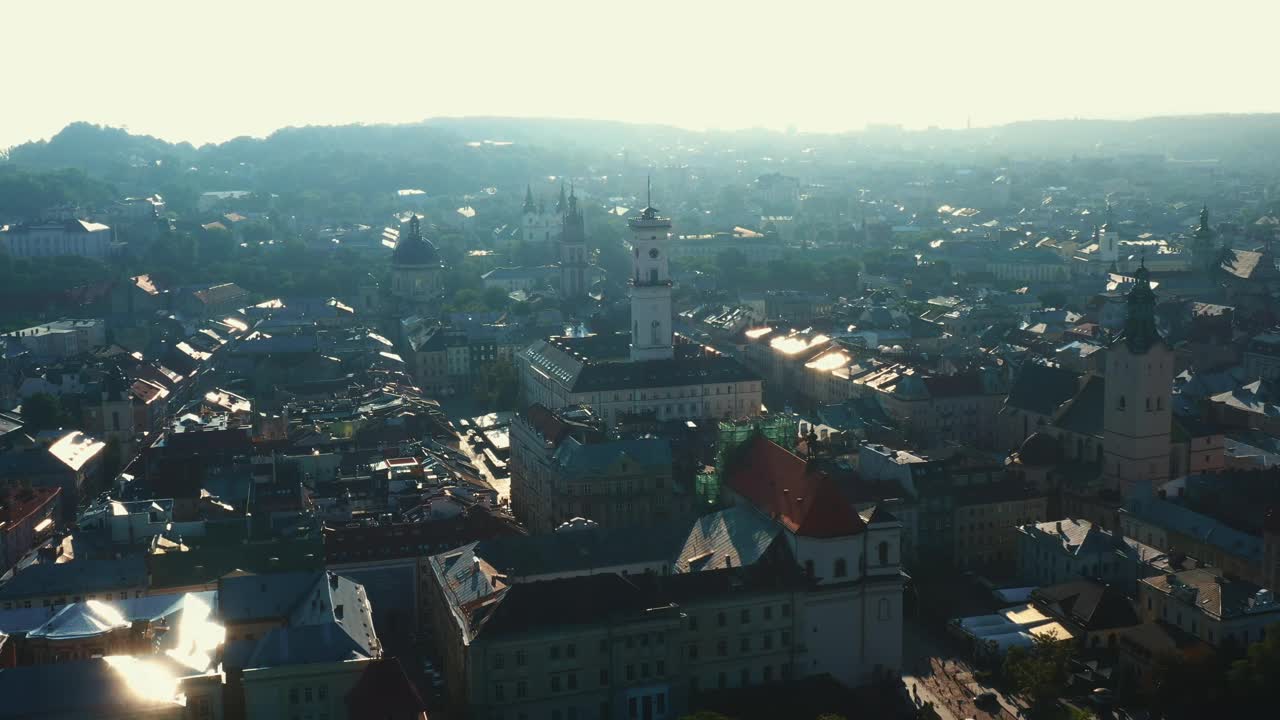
point(528, 199)
point(1140, 323)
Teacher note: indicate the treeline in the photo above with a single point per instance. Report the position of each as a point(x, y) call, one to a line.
point(23, 191)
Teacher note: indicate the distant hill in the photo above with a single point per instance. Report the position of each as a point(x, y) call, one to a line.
point(450, 155)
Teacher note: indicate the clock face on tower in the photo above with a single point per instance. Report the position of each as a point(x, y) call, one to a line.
point(653, 253)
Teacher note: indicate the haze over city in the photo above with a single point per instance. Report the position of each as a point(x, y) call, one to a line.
point(205, 73)
point(664, 360)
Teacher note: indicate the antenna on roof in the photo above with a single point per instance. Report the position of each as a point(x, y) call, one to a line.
point(648, 188)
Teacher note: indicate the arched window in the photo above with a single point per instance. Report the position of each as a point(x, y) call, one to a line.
point(1120, 405)
point(884, 553)
point(1159, 403)
point(842, 568)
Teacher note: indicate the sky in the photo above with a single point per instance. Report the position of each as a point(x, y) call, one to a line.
point(209, 71)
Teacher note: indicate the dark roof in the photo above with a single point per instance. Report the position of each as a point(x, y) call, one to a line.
point(584, 549)
point(1085, 414)
point(572, 601)
point(384, 691)
point(259, 597)
point(83, 688)
point(699, 370)
point(1042, 388)
point(413, 249)
point(792, 491)
point(79, 577)
point(1040, 449)
point(1088, 603)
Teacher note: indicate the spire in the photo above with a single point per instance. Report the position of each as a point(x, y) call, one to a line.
point(415, 230)
point(561, 204)
point(573, 200)
point(650, 212)
point(1106, 226)
point(1140, 332)
point(1204, 232)
point(528, 199)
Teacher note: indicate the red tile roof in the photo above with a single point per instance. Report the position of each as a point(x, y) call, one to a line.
point(804, 499)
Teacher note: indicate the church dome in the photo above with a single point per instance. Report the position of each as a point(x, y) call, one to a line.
point(413, 249)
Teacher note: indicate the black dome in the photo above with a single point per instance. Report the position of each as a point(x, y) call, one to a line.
point(413, 249)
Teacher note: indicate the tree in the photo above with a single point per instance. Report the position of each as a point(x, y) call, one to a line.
point(1040, 672)
point(1253, 678)
point(42, 411)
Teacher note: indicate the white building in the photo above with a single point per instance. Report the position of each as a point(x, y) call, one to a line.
point(537, 223)
point(643, 371)
point(53, 239)
point(63, 338)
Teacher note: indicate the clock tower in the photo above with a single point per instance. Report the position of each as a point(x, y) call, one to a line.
point(651, 337)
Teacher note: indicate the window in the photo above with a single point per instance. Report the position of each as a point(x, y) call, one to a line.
point(722, 648)
point(767, 641)
point(786, 609)
point(884, 553)
point(555, 683)
point(293, 696)
point(555, 652)
point(604, 646)
point(660, 667)
point(1120, 405)
point(322, 693)
point(767, 674)
point(520, 658)
point(631, 673)
point(522, 688)
point(745, 616)
point(570, 650)
point(768, 612)
point(744, 644)
point(693, 652)
point(498, 661)
point(785, 638)
point(721, 620)
point(693, 622)
point(498, 693)
point(841, 568)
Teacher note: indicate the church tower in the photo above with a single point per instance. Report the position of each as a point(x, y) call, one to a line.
point(1137, 416)
point(416, 272)
point(1203, 251)
point(536, 224)
point(1109, 242)
point(650, 286)
point(573, 251)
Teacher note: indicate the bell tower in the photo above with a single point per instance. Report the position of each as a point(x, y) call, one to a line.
point(1137, 415)
point(573, 251)
point(651, 337)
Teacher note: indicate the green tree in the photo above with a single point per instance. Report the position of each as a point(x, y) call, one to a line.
point(42, 411)
point(1253, 678)
point(1040, 673)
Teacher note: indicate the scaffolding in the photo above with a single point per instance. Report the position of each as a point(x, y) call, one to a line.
point(731, 434)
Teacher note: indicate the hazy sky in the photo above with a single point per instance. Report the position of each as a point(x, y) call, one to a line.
point(207, 71)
